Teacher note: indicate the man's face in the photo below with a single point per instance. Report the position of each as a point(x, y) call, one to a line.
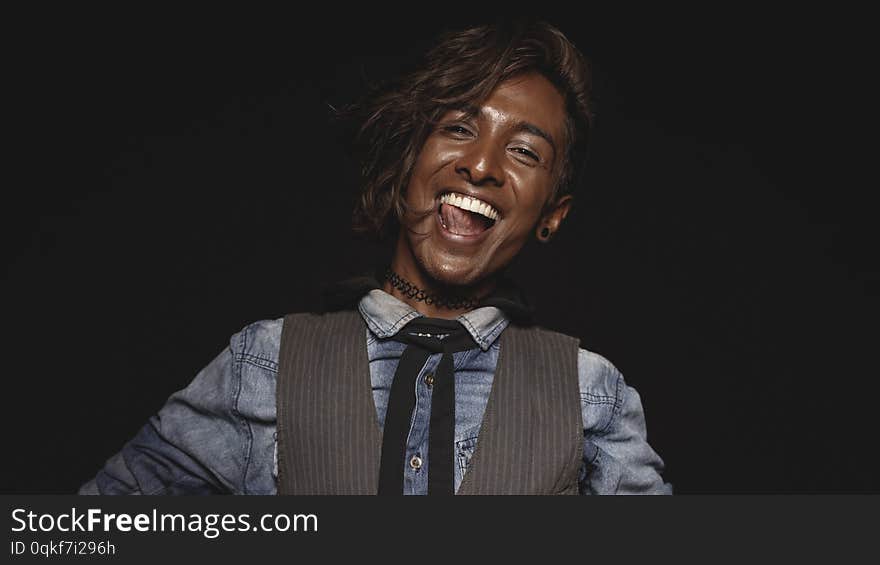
point(506, 157)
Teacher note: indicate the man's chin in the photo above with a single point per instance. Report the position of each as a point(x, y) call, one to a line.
point(455, 274)
point(459, 270)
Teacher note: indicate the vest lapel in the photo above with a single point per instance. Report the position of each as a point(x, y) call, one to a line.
point(531, 438)
point(329, 440)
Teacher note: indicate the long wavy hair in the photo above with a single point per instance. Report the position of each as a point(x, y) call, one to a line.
point(461, 70)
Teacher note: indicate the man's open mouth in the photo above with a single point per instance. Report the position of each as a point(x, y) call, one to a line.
point(466, 215)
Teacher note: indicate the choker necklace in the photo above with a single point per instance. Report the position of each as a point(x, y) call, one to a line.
point(410, 290)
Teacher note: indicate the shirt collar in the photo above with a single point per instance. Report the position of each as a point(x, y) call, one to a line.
point(385, 315)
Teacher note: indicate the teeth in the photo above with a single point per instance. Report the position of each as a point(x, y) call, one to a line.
point(471, 204)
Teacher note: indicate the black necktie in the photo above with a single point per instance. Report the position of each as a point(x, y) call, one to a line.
point(345, 295)
point(423, 336)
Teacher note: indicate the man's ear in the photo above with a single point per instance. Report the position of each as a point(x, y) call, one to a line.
point(552, 218)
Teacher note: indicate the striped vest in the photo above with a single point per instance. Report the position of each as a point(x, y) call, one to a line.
point(329, 439)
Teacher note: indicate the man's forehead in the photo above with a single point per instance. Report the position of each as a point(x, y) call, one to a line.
point(530, 99)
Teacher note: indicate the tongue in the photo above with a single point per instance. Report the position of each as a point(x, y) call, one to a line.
point(462, 222)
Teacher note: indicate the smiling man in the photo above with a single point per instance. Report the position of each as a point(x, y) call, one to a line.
point(489, 173)
point(431, 377)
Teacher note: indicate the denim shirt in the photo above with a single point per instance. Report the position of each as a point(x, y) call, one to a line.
point(218, 435)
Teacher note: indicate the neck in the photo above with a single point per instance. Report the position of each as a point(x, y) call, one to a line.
point(414, 275)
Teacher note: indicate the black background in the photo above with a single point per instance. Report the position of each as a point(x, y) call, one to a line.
point(177, 177)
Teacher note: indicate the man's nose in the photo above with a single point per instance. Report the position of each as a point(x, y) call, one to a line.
point(481, 164)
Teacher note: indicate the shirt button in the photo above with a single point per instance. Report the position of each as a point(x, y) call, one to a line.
point(415, 462)
point(429, 379)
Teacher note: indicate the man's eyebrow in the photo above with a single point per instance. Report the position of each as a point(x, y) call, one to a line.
point(535, 130)
point(519, 126)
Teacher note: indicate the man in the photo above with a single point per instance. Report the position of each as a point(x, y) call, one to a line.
point(429, 378)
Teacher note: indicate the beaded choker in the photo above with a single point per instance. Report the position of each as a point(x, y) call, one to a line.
point(413, 292)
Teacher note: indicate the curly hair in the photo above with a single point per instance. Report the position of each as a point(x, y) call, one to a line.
point(460, 71)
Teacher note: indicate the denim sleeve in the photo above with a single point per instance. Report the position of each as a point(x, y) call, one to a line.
point(200, 441)
point(617, 456)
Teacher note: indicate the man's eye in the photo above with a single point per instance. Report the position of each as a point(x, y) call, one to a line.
point(457, 130)
point(523, 151)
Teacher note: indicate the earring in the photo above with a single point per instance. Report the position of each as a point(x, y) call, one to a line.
point(545, 232)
